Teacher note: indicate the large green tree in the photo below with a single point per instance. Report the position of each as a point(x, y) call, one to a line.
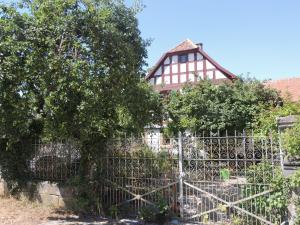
point(74, 67)
point(227, 106)
point(71, 69)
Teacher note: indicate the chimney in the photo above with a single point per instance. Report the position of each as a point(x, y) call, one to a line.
point(200, 45)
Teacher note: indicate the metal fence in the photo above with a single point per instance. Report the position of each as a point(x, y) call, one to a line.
point(207, 179)
point(55, 161)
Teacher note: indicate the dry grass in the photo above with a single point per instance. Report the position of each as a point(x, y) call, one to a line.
point(22, 212)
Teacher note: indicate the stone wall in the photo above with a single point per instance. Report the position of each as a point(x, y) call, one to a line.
point(3, 188)
point(46, 193)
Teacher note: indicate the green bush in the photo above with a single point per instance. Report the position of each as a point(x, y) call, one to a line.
point(158, 213)
point(275, 204)
point(148, 213)
point(291, 140)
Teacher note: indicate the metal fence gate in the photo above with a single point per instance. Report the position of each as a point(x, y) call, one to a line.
point(207, 179)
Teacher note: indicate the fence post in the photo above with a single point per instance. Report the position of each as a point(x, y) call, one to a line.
point(180, 155)
point(281, 154)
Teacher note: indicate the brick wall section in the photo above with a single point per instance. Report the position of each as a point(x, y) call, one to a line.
point(289, 87)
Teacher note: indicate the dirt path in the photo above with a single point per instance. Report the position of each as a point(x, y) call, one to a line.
point(16, 212)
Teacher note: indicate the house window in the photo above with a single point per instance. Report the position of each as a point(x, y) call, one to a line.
point(183, 58)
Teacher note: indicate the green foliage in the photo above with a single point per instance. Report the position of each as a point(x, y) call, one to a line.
point(158, 213)
point(72, 68)
point(149, 162)
point(87, 199)
point(266, 120)
point(207, 106)
point(113, 212)
point(224, 174)
point(14, 164)
point(291, 140)
point(148, 213)
point(162, 206)
point(297, 219)
point(276, 203)
point(236, 221)
point(295, 179)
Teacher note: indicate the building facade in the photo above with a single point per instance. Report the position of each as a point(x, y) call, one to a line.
point(186, 63)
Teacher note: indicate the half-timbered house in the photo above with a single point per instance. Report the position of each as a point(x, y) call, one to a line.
point(187, 62)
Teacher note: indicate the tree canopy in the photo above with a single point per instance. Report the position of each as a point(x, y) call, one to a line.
point(72, 69)
point(228, 106)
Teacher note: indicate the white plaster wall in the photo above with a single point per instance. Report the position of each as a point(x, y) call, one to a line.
point(191, 57)
point(158, 80)
point(167, 79)
point(200, 76)
point(191, 77)
point(174, 79)
point(175, 59)
point(158, 72)
point(167, 61)
point(200, 65)
point(219, 75)
point(167, 70)
point(209, 65)
point(210, 74)
point(175, 68)
point(182, 78)
point(152, 81)
point(183, 67)
point(199, 56)
point(192, 66)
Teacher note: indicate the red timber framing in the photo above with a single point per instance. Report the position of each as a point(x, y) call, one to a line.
point(169, 74)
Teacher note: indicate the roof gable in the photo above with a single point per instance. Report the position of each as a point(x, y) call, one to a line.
point(187, 46)
point(184, 46)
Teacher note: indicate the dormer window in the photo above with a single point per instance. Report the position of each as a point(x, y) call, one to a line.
point(183, 58)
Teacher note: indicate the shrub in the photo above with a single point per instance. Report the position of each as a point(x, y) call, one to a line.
point(291, 140)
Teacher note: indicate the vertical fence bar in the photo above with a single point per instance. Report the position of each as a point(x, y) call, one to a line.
point(281, 154)
point(180, 155)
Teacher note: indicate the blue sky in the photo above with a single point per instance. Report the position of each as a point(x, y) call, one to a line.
point(257, 36)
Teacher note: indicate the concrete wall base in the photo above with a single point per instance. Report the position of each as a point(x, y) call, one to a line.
point(46, 193)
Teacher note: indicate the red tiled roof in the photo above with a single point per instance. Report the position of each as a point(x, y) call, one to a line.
point(185, 45)
point(289, 87)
